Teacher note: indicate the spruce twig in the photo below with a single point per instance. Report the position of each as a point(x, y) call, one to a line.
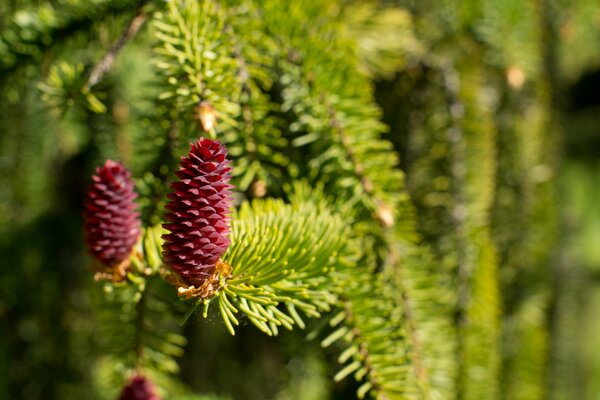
point(68, 22)
point(110, 56)
point(417, 356)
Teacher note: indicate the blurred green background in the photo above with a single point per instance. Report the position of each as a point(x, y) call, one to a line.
point(47, 335)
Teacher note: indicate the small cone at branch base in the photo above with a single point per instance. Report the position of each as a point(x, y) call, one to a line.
point(139, 388)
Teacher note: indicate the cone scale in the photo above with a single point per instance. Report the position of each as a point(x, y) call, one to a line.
point(198, 218)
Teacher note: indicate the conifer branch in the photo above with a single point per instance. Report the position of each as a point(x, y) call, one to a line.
point(288, 89)
point(140, 310)
point(138, 317)
point(416, 347)
point(477, 283)
point(352, 146)
point(262, 152)
point(459, 207)
point(24, 44)
point(393, 259)
point(359, 170)
point(246, 109)
point(195, 58)
point(365, 319)
point(363, 351)
point(109, 57)
point(295, 250)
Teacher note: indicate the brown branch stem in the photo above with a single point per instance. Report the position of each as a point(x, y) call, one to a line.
point(110, 56)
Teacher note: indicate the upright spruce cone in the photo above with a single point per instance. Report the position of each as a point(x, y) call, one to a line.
point(139, 388)
point(198, 215)
point(112, 225)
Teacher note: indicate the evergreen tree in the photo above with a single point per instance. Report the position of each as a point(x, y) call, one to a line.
point(378, 176)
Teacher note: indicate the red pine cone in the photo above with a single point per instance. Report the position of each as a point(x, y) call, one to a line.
point(198, 212)
point(112, 225)
point(139, 388)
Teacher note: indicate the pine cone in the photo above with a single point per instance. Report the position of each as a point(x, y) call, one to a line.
point(139, 388)
point(198, 212)
point(112, 225)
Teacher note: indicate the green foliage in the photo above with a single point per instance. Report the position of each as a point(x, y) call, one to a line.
point(421, 236)
point(333, 117)
point(281, 255)
point(196, 59)
point(64, 86)
point(375, 335)
point(138, 322)
point(477, 268)
point(30, 33)
point(202, 57)
point(385, 37)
